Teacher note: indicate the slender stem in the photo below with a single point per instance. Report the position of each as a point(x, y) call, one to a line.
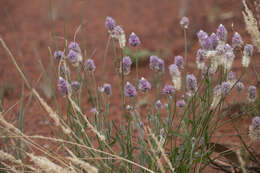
point(105, 59)
point(122, 91)
point(106, 105)
point(115, 56)
point(136, 65)
point(185, 63)
point(96, 90)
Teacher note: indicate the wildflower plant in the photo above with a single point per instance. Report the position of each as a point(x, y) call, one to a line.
point(175, 131)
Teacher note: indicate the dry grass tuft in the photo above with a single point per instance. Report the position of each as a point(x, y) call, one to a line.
point(47, 166)
point(252, 26)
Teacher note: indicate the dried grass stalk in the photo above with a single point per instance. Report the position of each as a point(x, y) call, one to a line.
point(161, 150)
point(9, 157)
point(75, 106)
point(84, 165)
point(51, 113)
point(158, 160)
point(252, 26)
point(48, 166)
point(241, 161)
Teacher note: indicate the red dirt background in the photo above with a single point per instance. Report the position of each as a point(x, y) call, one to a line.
point(26, 28)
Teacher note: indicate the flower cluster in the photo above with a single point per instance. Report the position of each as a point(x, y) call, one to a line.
point(185, 22)
point(129, 90)
point(144, 85)
point(218, 51)
point(168, 90)
point(134, 40)
point(125, 65)
point(251, 93)
point(176, 76)
point(118, 33)
point(248, 53)
point(181, 103)
point(156, 64)
point(64, 86)
point(178, 60)
point(191, 83)
point(107, 89)
point(214, 47)
point(74, 55)
point(58, 55)
point(254, 129)
point(216, 96)
point(90, 65)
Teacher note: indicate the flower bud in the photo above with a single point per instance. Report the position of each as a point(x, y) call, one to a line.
point(185, 22)
point(110, 23)
point(168, 89)
point(134, 40)
point(144, 85)
point(129, 90)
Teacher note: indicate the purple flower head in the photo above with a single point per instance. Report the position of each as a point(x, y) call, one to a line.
point(237, 41)
point(228, 48)
point(153, 62)
point(191, 83)
point(222, 33)
point(58, 55)
point(181, 103)
point(214, 40)
point(125, 65)
point(130, 90)
point(251, 93)
point(256, 122)
point(118, 30)
point(178, 60)
point(206, 43)
point(229, 52)
point(110, 23)
point(174, 70)
point(64, 87)
point(160, 65)
point(94, 111)
point(144, 85)
point(225, 88)
point(156, 64)
point(168, 89)
point(75, 85)
point(73, 56)
point(202, 35)
point(107, 89)
point(185, 22)
point(248, 50)
point(134, 40)
point(90, 65)
point(75, 47)
point(201, 55)
point(231, 76)
point(239, 86)
point(158, 104)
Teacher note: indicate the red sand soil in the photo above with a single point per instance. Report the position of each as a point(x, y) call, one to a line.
point(26, 28)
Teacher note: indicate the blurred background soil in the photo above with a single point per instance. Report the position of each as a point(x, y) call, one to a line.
point(26, 27)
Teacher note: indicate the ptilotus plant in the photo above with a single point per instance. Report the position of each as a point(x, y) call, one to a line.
point(175, 131)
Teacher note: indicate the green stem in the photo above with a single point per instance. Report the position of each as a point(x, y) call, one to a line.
point(122, 91)
point(136, 65)
point(105, 59)
point(185, 63)
point(96, 91)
